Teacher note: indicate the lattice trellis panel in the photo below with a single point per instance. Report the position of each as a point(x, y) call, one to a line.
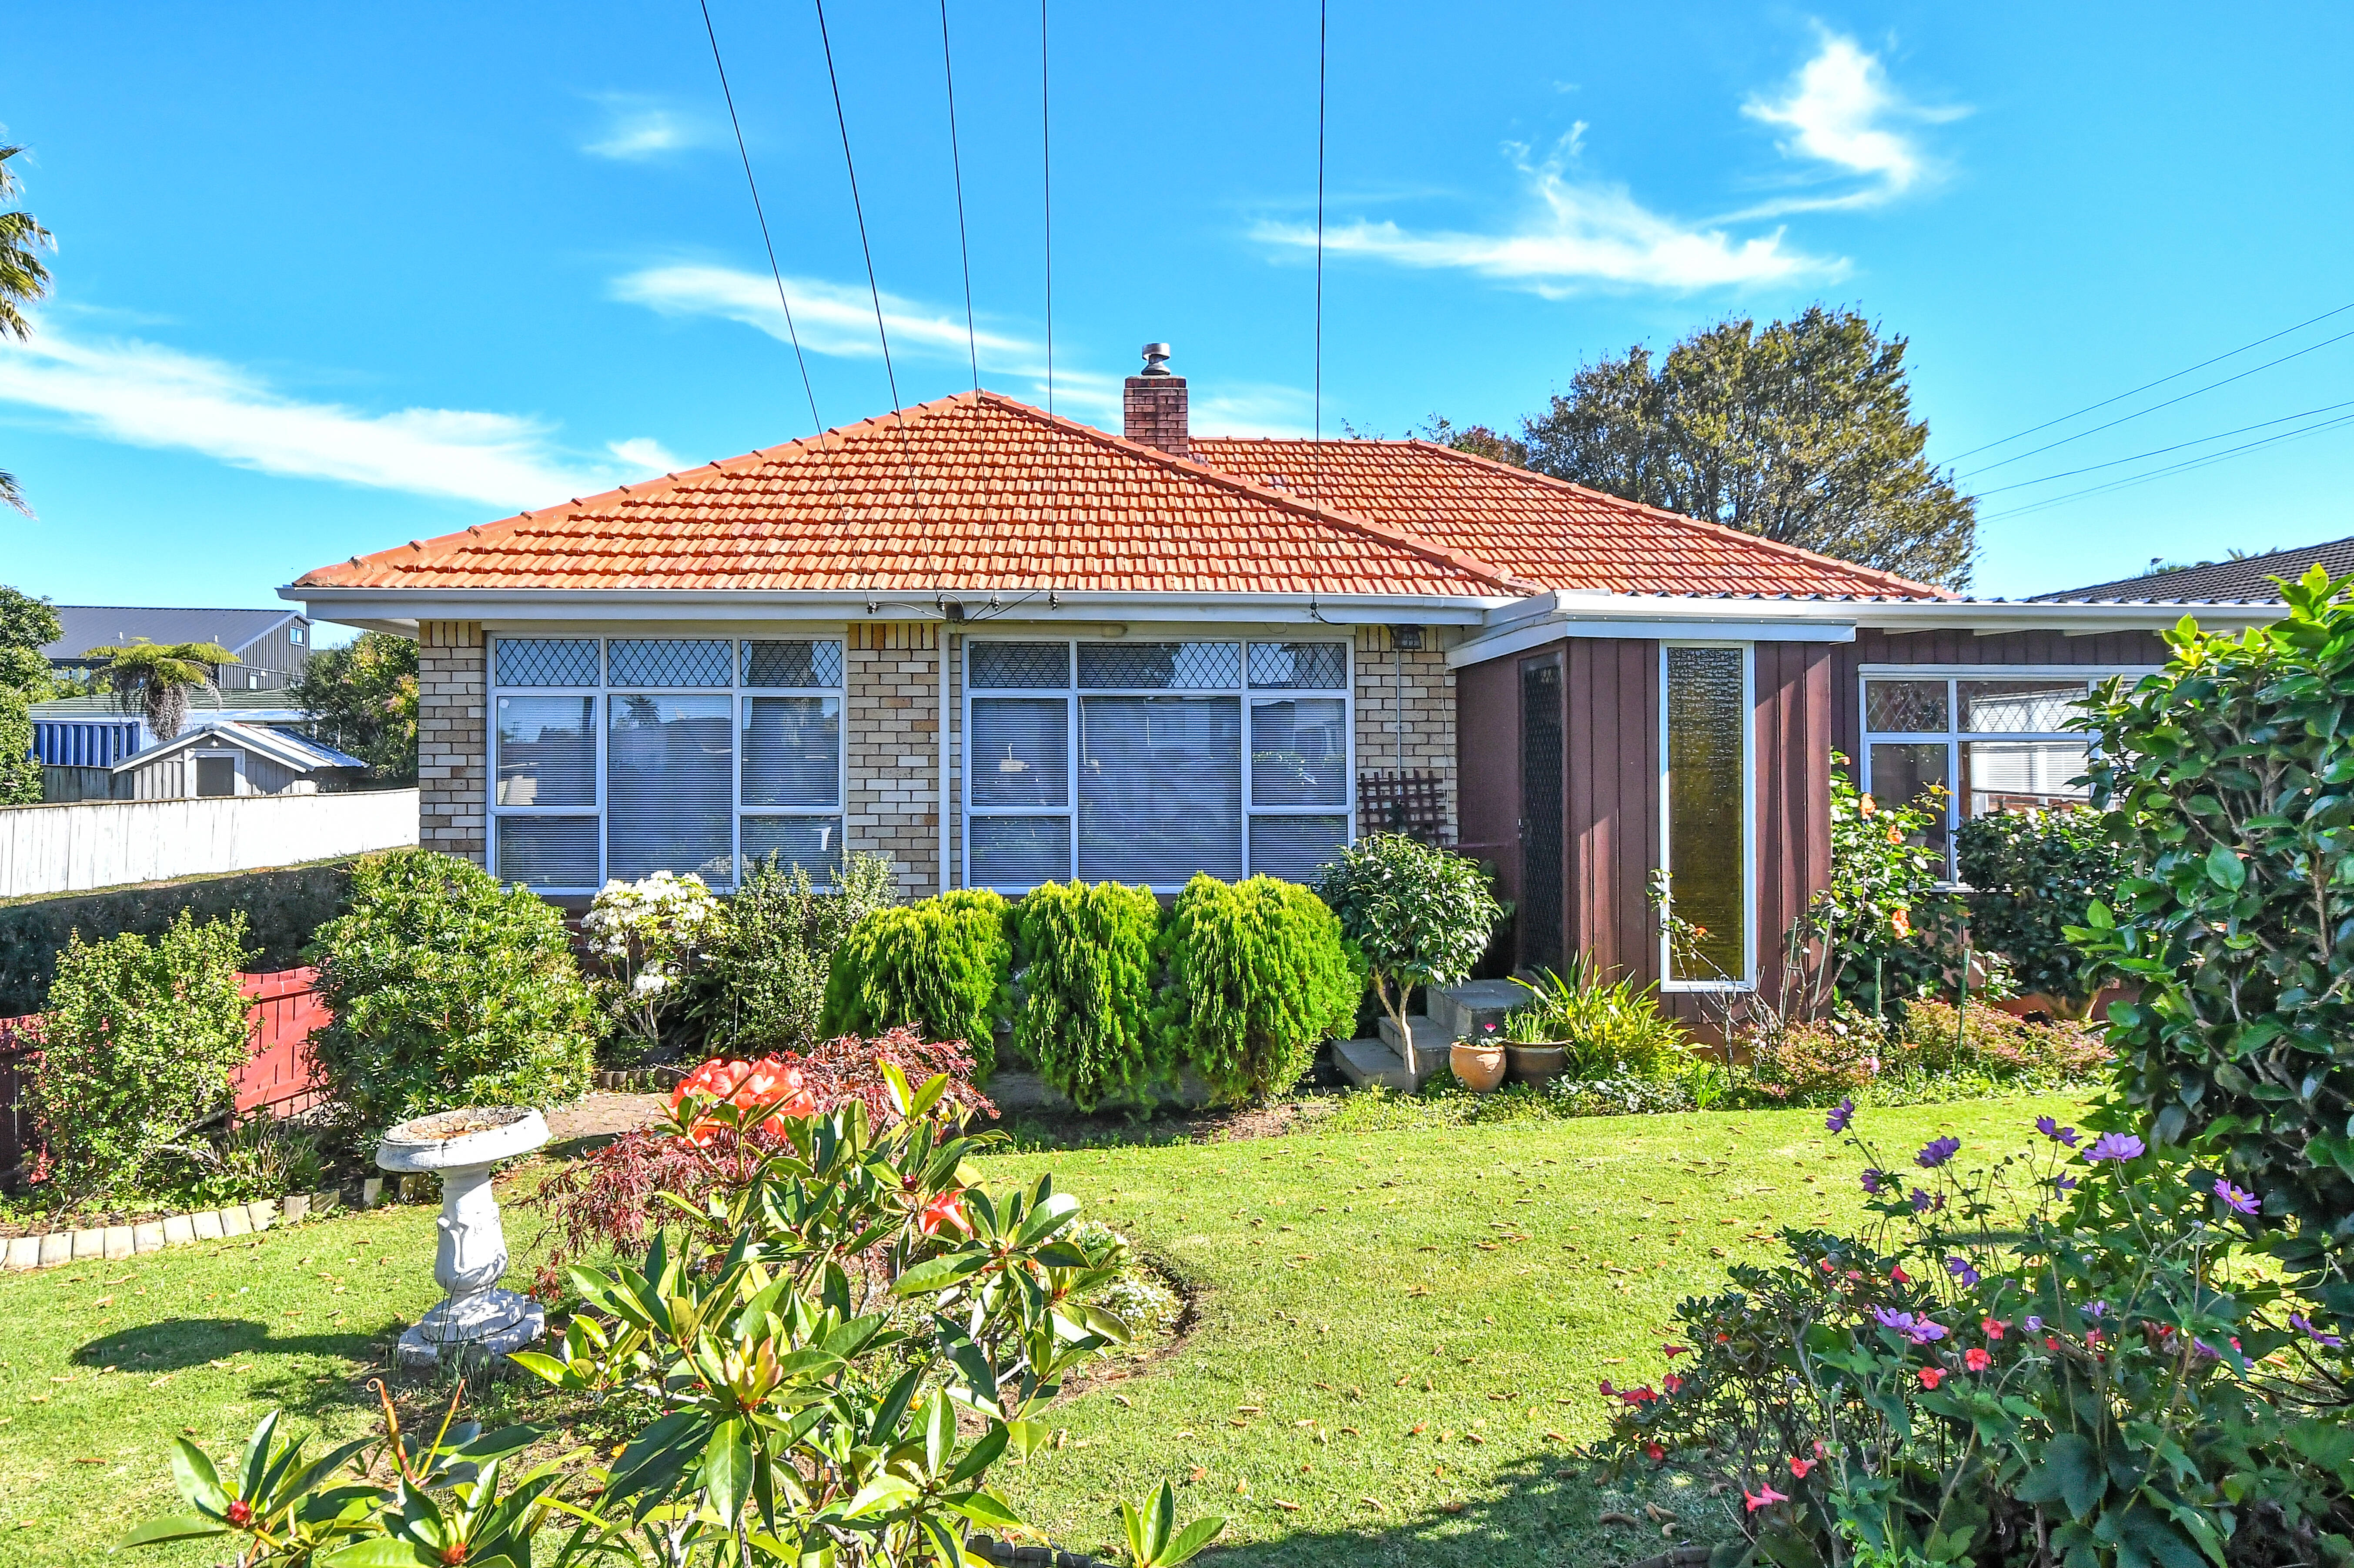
point(1019, 664)
point(1162, 666)
point(671, 662)
point(1413, 803)
point(792, 664)
point(546, 662)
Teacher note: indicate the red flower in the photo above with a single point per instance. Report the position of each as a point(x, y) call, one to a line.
point(1671, 1383)
point(1992, 1326)
point(1977, 1360)
point(239, 1513)
point(1643, 1395)
point(1765, 1496)
point(948, 1209)
point(1932, 1376)
point(1799, 1468)
point(2051, 1343)
point(1655, 1452)
point(1896, 1274)
point(1672, 1352)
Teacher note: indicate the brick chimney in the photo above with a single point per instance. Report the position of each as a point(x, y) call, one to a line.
point(1153, 408)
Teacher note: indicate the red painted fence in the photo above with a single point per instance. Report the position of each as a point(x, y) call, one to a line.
point(276, 1079)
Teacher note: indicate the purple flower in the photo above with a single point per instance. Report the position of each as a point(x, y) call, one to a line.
point(2236, 1201)
point(2052, 1129)
point(2205, 1350)
point(2033, 1324)
point(1841, 1114)
point(1960, 1267)
point(1939, 1150)
point(2304, 1325)
point(2118, 1145)
point(2094, 1310)
point(1919, 1330)
point(2064, 1183)
point(1871, 1179)
point(1920, 1201)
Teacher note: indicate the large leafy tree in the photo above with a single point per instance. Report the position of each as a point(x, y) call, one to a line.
point(1801, 431)
point(25, 623)
point(153, 678)
point(363, 699)
point(23, 280)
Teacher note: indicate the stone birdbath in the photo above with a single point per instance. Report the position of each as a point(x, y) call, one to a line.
point(460, 1146)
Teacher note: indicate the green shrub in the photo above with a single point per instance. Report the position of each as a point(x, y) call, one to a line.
point(138, 1049)
point(761, 988)
point(2036, 873)
point(1882, 921)
point(1420, 915)
point(1258, 976)
point(1612, 1030)
point(20, 770)
point(938, 967)
point(1083, 970)
point(447, 991)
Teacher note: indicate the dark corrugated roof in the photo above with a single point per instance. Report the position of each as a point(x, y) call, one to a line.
point(89, 626)
point(2245, 581)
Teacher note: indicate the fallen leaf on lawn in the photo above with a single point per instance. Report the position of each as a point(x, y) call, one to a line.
point(1555, 1437)
point(1426, 1249)
point(1614, 1360)
point(1287, 1506)
point(1373, 1503)
point(1415, 1429)
point(1473, 1437)
point(1716, 1252)
point(1124, 1401)
point(1667, 1531)
point(1617, 1519)
point(1659, 1515)
point(1241, 1487)
point(1307, 1423)
point(1401, 1381)
point(1246, 1409)
point(1351, 1431)
point(1325, 1386)
point(1483, 1247)
point(104, 1301)
point(1199, 1474)
point(1450, 1507)
point(89, 1461)
point(1237, 1421)
point(1419, 1290)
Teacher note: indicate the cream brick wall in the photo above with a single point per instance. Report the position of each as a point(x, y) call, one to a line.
point(1405, 712)
point(893, 714)
point(452, 739)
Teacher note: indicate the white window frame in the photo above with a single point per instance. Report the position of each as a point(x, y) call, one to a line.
point(1072, 691)
point(1953, 737)
point(1748, 977)
point(736, 691)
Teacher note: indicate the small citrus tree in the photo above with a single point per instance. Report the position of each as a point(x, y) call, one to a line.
point(1422, 915)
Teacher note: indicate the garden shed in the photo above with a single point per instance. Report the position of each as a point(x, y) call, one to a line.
point(231, 758)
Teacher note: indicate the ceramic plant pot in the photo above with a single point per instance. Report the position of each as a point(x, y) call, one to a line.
point(1535, 1063)
point(1479, 1069)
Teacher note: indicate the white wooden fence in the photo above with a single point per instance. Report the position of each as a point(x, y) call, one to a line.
point(106, 843)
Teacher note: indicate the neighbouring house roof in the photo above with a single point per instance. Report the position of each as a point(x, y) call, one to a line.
point(1545, 530)
point(299, 752)
point(252, 707)
point(2244, 581)
point(981, 493)
point(89, 626)
point(974, 492)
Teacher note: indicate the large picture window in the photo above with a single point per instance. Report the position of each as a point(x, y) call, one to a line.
point(1991, 739)
point(1148, 762)
point(1705, 788)
point(617, 757)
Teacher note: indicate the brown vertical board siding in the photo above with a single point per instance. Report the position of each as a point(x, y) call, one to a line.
point(1956, 647)
point(1487, 767)
point(1613, 828)
point(1792, 733)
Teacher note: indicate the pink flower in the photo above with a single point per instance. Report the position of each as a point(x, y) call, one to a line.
point(1977, 1360)
point(1799, 1468)
point(1932, 1376)
point(1991, 1327)
point(1764, 1497)
point(948, 1209)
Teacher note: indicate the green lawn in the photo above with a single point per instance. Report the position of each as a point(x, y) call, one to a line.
point(1349, 1287)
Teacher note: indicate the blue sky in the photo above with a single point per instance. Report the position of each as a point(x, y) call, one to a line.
point(332, 277)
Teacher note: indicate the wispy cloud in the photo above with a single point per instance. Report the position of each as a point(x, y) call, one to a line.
point(1844, 121)
point(838, 320)
point(1842, 113)
point(145, 395)
point(638, 128)
point(1578, 232)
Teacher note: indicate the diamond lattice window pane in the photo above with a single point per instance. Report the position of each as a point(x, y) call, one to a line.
point(2013, 706)
point(546, 662)
point(792, 664)
point(1021, 664)
point(1300, 666)
point(1905, 707)
point(670, 661)
point(1162, 666)
point(1296, 849)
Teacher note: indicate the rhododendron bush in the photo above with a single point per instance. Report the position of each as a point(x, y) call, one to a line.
point(2060, 1359)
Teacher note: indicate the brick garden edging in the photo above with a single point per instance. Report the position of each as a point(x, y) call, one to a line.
point(989, 1549)
point(112, 1242)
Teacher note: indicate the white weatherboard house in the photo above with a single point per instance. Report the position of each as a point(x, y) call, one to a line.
point(1140, 656)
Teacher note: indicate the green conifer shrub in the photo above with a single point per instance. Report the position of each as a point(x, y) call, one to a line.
point(1085, 970)
point(1258, 975)
point(938, 967)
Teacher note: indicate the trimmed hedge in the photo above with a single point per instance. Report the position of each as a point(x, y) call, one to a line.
point(283, 909)
point(1258, 975)
point(938, 967)
point(1086, 967)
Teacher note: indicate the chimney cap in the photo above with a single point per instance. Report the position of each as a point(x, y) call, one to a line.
point(1156, 359)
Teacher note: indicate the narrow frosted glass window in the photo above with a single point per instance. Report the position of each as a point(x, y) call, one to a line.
point(1296, 848)
point(1020, 852)
point(548, 851)
point(1021, 751)
point(1707, 756)
point(547, 661)
point(1160, 788)
point(813, 843)
point(1300, 753)
point(792, 751)
point(670, 764)
point(547, 751)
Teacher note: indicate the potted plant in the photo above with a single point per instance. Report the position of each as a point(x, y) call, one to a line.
point(1479, 1065)
point(1536, 1045)
point(1420, 915)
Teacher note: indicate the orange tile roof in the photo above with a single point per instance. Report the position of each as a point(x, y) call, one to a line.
point(1542, 529)
point(972, 493)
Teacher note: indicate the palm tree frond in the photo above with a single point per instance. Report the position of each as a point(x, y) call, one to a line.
point(155, 679)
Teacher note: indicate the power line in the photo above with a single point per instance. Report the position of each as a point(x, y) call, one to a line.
point(956, 165)
point(1321, 36)
point(2170, 402)
point(774, 270)
point(2146, 385)
point(1047, 152)
point(872, 292)
point(2183, 466)
point(2160, 452)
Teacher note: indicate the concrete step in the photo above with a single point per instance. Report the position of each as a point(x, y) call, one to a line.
point(1424, 1051)
point(1368, 1062)
point(1458, 1012)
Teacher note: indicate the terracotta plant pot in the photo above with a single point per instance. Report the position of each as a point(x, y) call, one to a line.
point(1479, 1069)
point(1535, 1063)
